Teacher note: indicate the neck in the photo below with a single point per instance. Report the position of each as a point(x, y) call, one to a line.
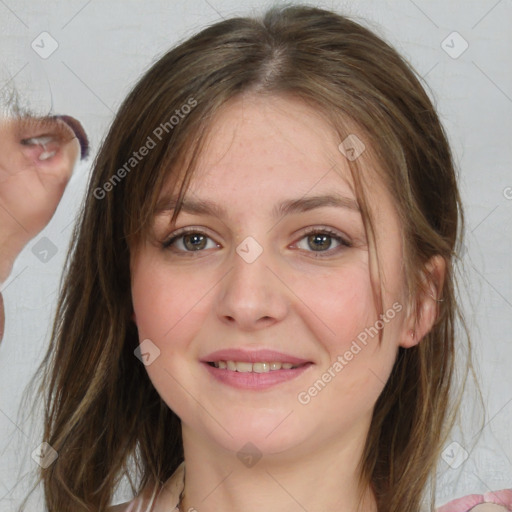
point(217, 481)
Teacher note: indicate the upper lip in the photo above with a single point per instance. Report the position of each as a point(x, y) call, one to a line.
point(252, 356)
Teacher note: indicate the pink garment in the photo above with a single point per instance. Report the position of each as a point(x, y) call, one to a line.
point(467, 503)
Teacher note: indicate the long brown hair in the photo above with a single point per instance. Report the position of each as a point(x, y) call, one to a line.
point(103, 415)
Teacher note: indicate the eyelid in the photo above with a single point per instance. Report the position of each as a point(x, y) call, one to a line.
point(166, 244)
point(31, 128)
point(343, 241)
point(333, 233)
point(325, 229)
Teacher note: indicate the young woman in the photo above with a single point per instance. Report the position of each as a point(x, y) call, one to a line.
point(259, 310)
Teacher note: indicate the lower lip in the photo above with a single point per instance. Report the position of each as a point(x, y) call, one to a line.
point(253, 380)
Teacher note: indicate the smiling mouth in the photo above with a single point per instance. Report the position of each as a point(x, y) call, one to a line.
point(258, 367)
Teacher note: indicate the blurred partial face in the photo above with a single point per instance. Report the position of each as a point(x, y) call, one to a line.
point(263, 310)
point(37, 156)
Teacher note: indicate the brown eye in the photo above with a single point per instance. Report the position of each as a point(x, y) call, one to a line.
point(194, 242)
point(188, 241)
point(320, 241)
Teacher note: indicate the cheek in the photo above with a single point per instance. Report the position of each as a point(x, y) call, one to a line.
point(339, 305)
point(356, 366)
point(169, 309)
point(167, 305)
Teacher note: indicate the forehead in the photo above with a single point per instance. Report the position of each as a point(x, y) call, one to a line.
point(264, 152)
point(262, 144)
point(276, 136)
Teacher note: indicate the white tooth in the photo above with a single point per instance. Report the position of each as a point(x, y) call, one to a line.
point(45, 155)
point(244, 367)
point(261, 367)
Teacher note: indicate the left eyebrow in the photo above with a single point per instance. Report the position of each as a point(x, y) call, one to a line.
point(287, 207)
point(305, 204)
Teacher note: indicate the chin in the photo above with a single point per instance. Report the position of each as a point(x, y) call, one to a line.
point(260, 436)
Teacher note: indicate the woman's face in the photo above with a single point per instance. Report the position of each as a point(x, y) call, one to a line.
point(250, 277)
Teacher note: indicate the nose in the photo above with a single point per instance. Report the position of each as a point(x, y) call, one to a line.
point(252, 295)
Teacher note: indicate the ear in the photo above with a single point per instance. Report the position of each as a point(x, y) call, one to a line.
point(424, 311)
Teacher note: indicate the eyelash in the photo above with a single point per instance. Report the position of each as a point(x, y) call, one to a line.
point(311, 231)
point(38, 128)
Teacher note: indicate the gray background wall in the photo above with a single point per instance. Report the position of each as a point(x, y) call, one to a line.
point(104, 46)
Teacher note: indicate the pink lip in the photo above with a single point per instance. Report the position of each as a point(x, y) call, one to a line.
point(252, 380)
point(254, 356)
